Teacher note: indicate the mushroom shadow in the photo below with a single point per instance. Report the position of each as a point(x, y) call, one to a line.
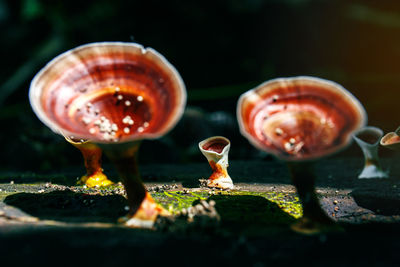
point(379, 196)
point(69, 206)
point(244, 212)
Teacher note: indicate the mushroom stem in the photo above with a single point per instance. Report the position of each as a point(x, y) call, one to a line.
point(92, 158)
point(219, 177)
point(314, 218)
point(143, 210)
point(126, 163)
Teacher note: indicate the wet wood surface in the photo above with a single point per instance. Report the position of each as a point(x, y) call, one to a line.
point(367, 210)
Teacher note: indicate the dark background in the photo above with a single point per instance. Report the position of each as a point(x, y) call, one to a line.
point(221, 49)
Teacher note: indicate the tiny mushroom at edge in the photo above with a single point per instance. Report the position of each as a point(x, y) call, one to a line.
point(392, 140)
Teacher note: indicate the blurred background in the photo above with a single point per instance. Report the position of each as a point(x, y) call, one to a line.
point(221, 49)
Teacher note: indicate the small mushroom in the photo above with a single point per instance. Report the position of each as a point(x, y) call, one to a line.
point(392, 140)
point(114, 95)
point(216, 150)
point(300, 120)
point(368, 139)
point(92, 158)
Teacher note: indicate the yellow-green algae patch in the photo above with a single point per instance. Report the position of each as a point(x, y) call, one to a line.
point(237, 205)
point(3, 194)
point(236, 208)
point(175, 201)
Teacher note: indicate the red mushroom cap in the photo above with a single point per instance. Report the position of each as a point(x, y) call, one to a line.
point(300, 118)
point(109, 92)
point(391, 140)
point(216, 144)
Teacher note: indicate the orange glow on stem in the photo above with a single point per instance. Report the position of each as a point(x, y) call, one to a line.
point(92, 157)
point(218, 171)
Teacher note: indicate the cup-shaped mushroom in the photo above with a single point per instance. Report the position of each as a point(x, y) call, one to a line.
point(92, 154)
point(300, 120)
point(368, 139)
point(216, 150)
point(113, 94)
point(392, 140)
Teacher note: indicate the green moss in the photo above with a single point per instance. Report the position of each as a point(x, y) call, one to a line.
point(237, 201)
point(175, 201)
point(289, 203)
point(236, 208)
point(3, 195)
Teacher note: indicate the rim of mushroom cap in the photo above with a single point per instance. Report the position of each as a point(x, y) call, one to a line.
point(212, 138)
point(369, 129)
point(329, 85)
point(35, 93)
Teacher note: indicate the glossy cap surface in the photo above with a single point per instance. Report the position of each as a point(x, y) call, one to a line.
point(109, 92)
point(391, 140)
point(300, 118)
